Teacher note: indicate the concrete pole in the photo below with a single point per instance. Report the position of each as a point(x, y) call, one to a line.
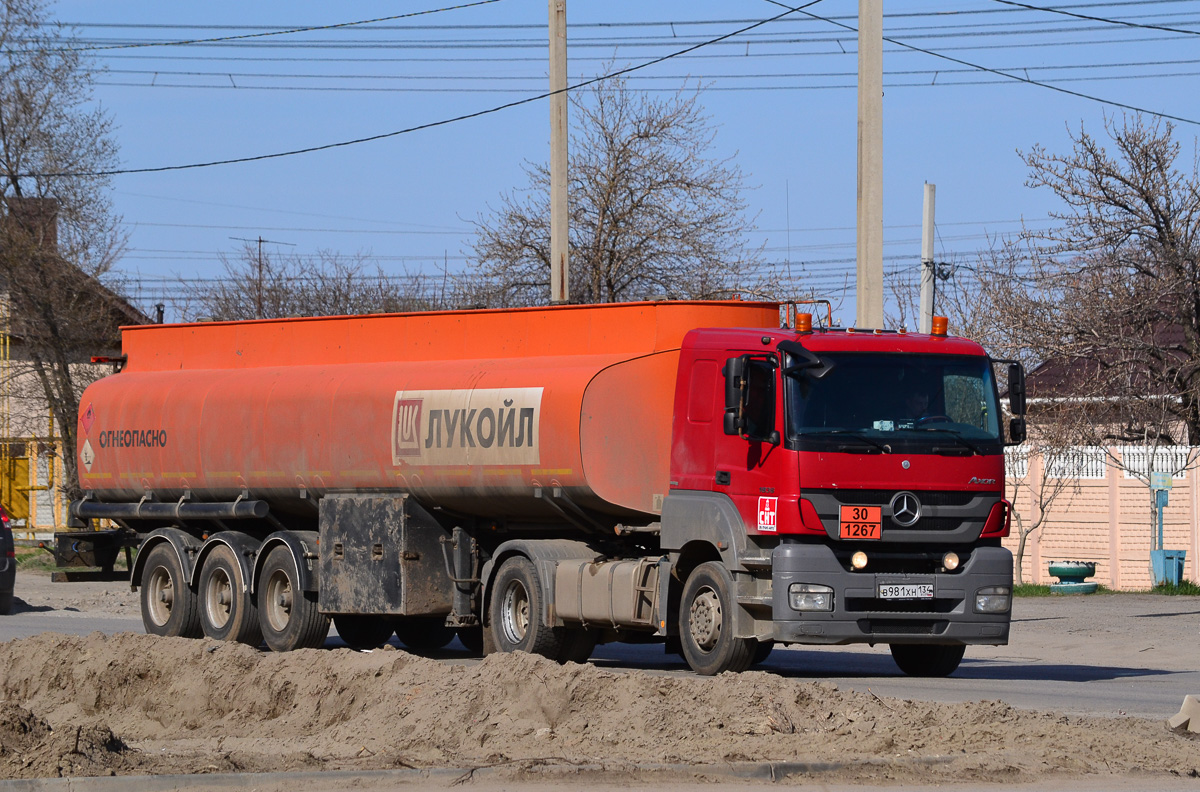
point(870, 164)
point(927, 272)
point(559, 285)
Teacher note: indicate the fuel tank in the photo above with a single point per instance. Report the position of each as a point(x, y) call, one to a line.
point(471, 410)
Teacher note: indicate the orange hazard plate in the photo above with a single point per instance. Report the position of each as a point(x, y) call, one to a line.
point(862, 522)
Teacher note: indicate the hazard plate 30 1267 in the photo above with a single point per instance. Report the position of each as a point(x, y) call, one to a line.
point(903, 591)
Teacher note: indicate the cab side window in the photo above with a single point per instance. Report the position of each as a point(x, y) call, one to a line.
point(760, 398)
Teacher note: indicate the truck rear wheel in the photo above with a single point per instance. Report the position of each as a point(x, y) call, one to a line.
point(227, 608)
point(169, 606)
point(516, 612)
point(422, 634)
point(363, 632)
point(928, 660)
point(288, 614)
point(706, 623)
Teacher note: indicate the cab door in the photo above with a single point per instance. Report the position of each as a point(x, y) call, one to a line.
point(752, 464)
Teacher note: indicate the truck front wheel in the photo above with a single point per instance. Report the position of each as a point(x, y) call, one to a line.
point(169, 606)
point(227, 609)
point(706, 623)
point(288, 614)
point(928, 660)
point(516, 612)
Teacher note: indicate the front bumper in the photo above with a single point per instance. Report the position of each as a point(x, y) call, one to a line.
point(859, 616)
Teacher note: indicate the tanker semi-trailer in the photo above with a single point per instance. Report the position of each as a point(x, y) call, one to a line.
point(545, 479)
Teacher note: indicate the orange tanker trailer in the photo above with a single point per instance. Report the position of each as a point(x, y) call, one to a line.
point(513, 476)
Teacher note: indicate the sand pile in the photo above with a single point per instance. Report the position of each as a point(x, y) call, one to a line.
point(139, 703)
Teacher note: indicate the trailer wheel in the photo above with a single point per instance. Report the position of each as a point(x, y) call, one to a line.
point(288, 615)
point(516, 610)
point(228, 611)
point(169, 606)
point(928, 660)
point(578, 645)
point(706, 620)
point(363, 632)
point(421, 634)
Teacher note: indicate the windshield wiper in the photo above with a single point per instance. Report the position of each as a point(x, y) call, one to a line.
point(855, 434)
point(957, 435)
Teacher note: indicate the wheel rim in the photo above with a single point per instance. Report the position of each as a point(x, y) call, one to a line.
point(704, 618)
point(514, 617)
point(218, 598)
point(160, 595)
point(279, 601)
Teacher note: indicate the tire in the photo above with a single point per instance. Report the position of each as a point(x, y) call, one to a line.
point(169, 606)
point(928, 660)
point(423, 634)
point(516, 612)
point(706, 621)
point(762, 651)
point(288, 616)
point(363, 632)
point(472, 639)
point(228, 611)
point(578, 645)
point(6, 603)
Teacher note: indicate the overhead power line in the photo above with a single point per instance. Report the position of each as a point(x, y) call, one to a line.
point(1121, 22)
point(244, 36)
point(431, 124)
point(1015, 77)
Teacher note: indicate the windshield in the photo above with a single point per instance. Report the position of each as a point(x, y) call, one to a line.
point(896, 398)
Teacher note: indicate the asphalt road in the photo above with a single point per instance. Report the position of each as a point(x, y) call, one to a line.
point(1099, 654)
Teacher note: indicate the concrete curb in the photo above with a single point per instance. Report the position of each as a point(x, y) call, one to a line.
point(748, 771)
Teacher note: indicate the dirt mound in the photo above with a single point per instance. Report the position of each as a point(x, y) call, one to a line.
point(29, 747)
point(193, 706)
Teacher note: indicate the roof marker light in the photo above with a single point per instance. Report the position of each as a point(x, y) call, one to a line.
point(939, 326)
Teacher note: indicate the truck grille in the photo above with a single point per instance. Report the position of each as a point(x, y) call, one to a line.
point(904, 626)
point(873, 605)
point(884, 497)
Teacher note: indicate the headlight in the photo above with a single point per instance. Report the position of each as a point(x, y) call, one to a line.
point(993, 599)
point(808, 597)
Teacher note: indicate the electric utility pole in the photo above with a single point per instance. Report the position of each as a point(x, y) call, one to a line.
point(869, 297)
point(258, 288)
point(559, 281)
point(927, 266)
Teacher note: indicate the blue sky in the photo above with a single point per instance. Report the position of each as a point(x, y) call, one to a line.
point(782, 96)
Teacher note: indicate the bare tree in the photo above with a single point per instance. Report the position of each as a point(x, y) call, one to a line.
point(269, 285)
point(59, 233)
point(652, 212)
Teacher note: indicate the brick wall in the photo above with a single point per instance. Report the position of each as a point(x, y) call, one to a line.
point(1108, 521)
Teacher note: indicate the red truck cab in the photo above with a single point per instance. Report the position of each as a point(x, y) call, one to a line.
point(866, 472)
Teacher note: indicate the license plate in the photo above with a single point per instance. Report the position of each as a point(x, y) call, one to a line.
point(861, 522)
point(904, 591)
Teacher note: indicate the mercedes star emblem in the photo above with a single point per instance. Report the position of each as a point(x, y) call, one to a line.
point(906, 509)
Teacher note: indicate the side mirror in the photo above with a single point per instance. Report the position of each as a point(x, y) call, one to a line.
point(735, 390)
point(1016, 431)
point(1016, 389)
